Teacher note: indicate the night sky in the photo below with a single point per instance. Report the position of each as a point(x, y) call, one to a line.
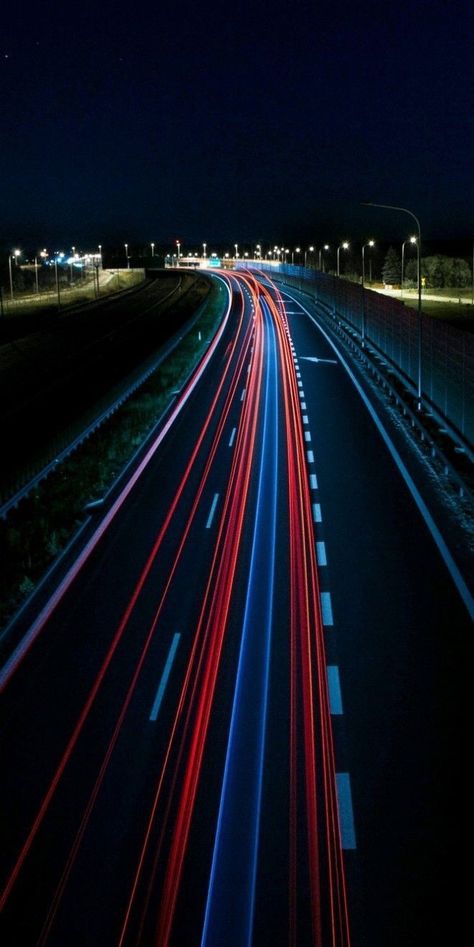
point(238, 121)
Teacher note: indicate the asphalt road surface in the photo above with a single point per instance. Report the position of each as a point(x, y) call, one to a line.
point(240, 718)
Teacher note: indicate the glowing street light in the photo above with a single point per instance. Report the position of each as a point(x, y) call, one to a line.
point(413, 241)
point(12, 256)
point(371, 243)
point(309, 250)
point(296, 250)
point(405, 210)
point(342, 246)
point(127, 256)
point(236, 248)
point(325, 247)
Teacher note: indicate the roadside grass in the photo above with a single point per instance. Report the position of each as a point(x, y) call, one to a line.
point(110, 282)
point(38, 530)
point(460, 314)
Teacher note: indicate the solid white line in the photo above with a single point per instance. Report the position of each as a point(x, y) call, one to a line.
point(317, 517)
point(321, 553)
point(307, 436)
point(310, 456)
point(334, 688)
point(212, 511)
point(232, 437)
point(326, 608)
point(346, 815)
point(164, 677)
point(313, 481)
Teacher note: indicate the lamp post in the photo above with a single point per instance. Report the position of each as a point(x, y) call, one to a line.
point(405, 210)
point(152, 245)
point(204, 246)
point(56, 274)
point(12, 256)
point(236, 248)
point(342, 246)
point(309, 250)
point(411, 240)
point(325, 247)
point(371, 243)
point(127, 256)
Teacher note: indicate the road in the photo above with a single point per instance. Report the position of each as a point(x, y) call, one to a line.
point(238, 719)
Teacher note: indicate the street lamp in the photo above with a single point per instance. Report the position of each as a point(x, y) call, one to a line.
point(56, 274)
point(371, 243)
point(127, 256)
point(259, 251)
point(12, 256)
point(204, 246)
point(411, 240)
point(309, 250)
point(296, 250)
point(325, 247)
point(236, 248)
point(342, 246)
point(405, 210)
point(152, 245)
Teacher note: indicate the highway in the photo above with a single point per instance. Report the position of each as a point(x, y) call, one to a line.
point(239, 717)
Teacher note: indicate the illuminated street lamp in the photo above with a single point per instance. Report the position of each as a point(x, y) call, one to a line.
point(236, 248)
point(152, 245)
point(296, 250)
point(405, 210)
point(342, 246)
point(12, 256)
point(127, 256)
point(259, 252)
point(371, 243)
point(325, 247)
point(411, 240)
point(56, 274)
point(309, 250)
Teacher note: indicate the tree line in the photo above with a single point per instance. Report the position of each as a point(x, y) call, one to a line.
point(438, 271)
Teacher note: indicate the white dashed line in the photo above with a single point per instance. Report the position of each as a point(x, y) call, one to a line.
point(212, 511)
point(326, 609)
point(317, 517)
point(232, 436)
point(346, 815)
point(164, 678)
point(313, 481)
point(243, 394)
point(305, 419)
point(334, 688)
point(321, 553)
point(310, 456)
point(307, 436)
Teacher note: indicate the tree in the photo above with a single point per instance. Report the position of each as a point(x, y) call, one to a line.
point(441, 272)
point(392, 268)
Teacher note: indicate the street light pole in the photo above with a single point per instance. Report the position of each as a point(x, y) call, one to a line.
point(370, 243)
point(325, 247)
point(11, 277)
point(57, 282)
point(343, 246)
point(418, 267)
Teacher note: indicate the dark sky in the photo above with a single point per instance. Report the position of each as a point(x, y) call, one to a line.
point(244, 120)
